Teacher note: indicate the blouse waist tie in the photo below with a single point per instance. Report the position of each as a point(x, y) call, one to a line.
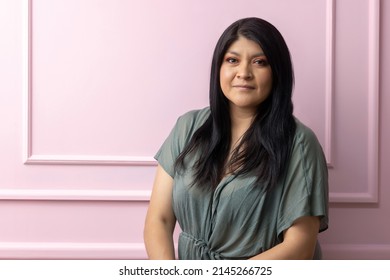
point(196, 248)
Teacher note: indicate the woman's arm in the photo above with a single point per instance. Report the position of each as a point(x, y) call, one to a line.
point(160, 219)
point(299, 241)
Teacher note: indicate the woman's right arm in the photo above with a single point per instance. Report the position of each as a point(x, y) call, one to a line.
point(160, 219)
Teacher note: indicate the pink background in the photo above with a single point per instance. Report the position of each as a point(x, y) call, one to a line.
point(90, 89)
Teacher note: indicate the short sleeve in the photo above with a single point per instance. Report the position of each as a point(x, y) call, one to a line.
point(169, 151)
point(305, 189)
point(178, 138)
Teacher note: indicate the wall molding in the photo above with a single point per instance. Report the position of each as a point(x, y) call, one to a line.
point(74, 195)
point(329, 80)
point(356, 251)
point(373, 99)
point(62, 250)
point(371, 194)
point(28, 155)
point(30, 158)
point(86, 159)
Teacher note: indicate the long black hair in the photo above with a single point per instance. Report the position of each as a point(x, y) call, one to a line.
point(265, 147)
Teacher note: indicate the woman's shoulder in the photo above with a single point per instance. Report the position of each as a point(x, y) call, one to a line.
point(303, 132)
point(306, 137)
point(195, 114)
point(194, 118)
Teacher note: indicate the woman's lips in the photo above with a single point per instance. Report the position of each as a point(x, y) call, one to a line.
point(244, 87)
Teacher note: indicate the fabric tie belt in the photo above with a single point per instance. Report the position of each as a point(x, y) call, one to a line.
point(199, 247)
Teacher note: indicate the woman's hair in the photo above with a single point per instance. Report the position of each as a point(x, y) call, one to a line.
point(265, 147)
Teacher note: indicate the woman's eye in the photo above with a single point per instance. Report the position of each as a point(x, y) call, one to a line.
point(261, 62)
point(231, 60)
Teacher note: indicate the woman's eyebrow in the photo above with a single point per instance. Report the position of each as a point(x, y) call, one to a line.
point(237, 54)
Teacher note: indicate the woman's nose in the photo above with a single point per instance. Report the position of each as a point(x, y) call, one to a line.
point(244, 72)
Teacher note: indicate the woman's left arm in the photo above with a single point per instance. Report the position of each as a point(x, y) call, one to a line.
point(299, 241)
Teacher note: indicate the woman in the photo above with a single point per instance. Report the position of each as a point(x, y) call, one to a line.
point(243, 177)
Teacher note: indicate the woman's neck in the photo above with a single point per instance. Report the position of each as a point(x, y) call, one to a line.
point(241, 120)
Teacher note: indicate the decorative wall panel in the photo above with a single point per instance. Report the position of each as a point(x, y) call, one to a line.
point(91, 89)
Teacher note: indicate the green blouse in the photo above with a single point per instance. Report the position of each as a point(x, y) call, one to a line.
point(239, 220)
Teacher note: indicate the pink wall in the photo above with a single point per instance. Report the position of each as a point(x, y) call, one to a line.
point(89, 90)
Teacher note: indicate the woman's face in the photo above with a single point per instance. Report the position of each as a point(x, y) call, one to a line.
point(245, 75)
